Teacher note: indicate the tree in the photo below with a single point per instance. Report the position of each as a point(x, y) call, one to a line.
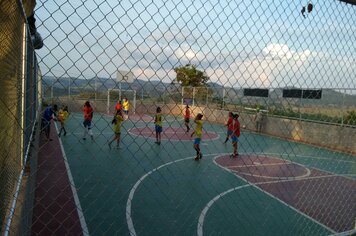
point(189, 75)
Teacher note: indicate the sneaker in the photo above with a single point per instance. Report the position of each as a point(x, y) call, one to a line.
point(196, 158)
point(200, 156)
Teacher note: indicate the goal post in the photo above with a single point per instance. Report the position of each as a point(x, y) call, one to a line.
point(196, 96)
point(113, 95)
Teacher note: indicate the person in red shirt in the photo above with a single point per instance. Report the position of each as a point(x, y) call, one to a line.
point(230, 127)
point(88, 117)
point(118, 106)
point(187, 118)
point(235, 135)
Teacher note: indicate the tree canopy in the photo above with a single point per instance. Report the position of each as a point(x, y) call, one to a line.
point(189, 75)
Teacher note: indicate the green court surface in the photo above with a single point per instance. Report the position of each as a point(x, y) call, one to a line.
point(146, 189)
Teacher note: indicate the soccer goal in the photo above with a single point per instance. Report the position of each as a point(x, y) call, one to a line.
point(196, 96)
point(119, 94)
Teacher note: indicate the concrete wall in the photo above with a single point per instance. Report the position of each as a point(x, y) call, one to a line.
point(331, 136)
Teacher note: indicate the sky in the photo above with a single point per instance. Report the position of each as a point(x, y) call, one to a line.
point(258, 44)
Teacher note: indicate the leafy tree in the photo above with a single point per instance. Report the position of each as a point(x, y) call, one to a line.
point(189, 75)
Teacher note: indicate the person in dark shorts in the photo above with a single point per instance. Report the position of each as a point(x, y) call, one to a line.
point(187, 118)
point(48, 115)
point(88, 117)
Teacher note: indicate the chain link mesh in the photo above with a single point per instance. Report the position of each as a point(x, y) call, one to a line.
point(284, 69)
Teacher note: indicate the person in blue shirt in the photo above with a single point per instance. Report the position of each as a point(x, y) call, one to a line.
point(48, 114)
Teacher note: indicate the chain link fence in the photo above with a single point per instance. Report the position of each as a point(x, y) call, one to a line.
point(286, 68)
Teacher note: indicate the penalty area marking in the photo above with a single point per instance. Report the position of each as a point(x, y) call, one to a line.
point(133, 189)
point(215, 199)
point(307, 174)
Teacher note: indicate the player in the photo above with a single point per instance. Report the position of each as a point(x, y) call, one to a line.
point(187, 118)
point(235, 135)
point(118, 106)
point(48, 114)
point(88, 117)
point(158, 125)
point(258, 119)
point(126, 106)
point(198, 132)
point(118, 119)
point(230, 127)
point(62, 117)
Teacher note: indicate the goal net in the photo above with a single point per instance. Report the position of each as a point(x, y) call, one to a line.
point(115, 95)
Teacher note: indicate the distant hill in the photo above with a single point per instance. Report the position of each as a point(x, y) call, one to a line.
point(157, 88)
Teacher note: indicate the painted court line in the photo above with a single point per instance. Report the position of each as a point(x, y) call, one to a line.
point(215, 199)
point(74, 191)
point(132, 192)
point(272, 196)
point(260, 164)
point(331, 173)
point(277, 177)
point(210, 203)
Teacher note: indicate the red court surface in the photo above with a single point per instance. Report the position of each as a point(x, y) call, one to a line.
point(172, 133)
point(55, 211)
point(311, 191)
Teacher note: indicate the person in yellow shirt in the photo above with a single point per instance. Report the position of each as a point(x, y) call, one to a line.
point(62, 117)
point(118, 119)
point(126, 106)
point(158, 125)
point(198, 132)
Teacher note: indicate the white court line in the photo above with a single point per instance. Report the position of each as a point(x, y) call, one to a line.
point(307, 174)
point(269, 164)
point(132, 192)
point(272, 196)
point(215, 199)
point(210, 203)
point(286, 162)
point(340, 175)
point(74, 190)
point(314, 157)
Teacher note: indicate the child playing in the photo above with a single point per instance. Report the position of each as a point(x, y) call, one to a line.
point(186, 118)
point(198, 134)
point(158, 125)
point(88, 117)
point(117, 128)
point(235, 135)
point(230, 127)
point(48, 114)
point(62, 117)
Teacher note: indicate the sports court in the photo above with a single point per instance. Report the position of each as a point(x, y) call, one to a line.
point(256, 99)
point(161, 190)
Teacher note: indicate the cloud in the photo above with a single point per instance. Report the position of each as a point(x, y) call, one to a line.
point(276, 65)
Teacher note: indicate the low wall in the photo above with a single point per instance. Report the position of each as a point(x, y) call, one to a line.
point(330, 136)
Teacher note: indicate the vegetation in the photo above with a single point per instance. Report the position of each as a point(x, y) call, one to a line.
point(189, 75)
point(350, 118)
